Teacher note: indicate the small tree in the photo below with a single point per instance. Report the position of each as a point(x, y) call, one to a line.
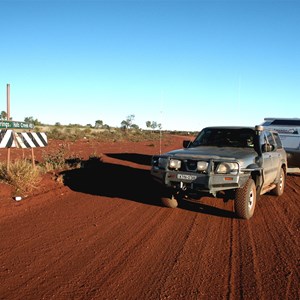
point(3, 115)
point(30, 120)
point(98, 124)
point(125, 124)
point(153, 125)
point(134, 126)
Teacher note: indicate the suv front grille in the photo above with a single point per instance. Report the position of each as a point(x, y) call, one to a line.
point(191, 165)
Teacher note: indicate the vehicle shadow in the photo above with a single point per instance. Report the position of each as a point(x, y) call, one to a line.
point(112, 180)
point(208, 209)
point(141, 159)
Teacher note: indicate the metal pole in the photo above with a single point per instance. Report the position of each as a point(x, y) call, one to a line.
point(8, 101)
point(8, 118)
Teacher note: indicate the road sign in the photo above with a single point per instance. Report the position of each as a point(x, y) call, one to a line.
point(6, 139)
point(12, 139)
point(15, 125)
point(31, 139)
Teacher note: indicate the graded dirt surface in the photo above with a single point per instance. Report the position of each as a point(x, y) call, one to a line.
point(103, 234)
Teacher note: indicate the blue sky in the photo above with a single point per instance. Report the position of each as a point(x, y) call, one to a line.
point(184, 64)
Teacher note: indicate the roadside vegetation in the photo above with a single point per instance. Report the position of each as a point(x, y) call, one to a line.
point(25, 178)
point(21, 175)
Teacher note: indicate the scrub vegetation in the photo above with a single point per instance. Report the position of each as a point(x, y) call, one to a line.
point(21, 175)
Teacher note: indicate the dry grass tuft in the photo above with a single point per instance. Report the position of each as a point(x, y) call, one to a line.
point(21, 175)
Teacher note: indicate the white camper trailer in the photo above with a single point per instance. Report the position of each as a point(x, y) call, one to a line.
point(289, 132)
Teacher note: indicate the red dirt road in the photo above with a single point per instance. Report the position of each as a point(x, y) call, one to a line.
point(104, 235)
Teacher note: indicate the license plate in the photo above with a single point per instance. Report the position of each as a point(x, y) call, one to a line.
point(186, 177)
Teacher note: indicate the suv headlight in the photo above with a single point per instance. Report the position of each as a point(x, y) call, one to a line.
point(162, 162)
point(227, 168)
point(174, 164)
point(202, 166)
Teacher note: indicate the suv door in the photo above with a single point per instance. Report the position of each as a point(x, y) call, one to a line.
point(271, 159)
point(277, 154)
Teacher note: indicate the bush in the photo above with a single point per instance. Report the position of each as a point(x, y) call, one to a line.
point(21, 175)
point(57, 160)
point(54, 160)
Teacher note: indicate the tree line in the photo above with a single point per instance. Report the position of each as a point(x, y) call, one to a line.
point(127, 123)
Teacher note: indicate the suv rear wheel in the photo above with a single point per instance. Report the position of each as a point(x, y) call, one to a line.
point(245, 200)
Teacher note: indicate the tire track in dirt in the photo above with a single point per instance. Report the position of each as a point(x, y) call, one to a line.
point(232, 262)
point(85, 253)
point(59, 229)
point(243, 263)
point(155, 252)
point(39, 239)
point(200, 269)
point(281, 249)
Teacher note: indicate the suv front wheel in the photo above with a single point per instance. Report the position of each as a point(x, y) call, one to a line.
point(278, 190)
point(245, 200)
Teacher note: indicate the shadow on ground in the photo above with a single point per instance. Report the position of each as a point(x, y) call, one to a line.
point(113, 180)
point(208, 210)
point(119, 181)
point(141, 159)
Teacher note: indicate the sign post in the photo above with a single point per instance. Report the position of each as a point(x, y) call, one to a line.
point(8, 117)
point(19, 139)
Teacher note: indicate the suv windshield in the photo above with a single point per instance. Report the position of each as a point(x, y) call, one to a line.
point(225, 137)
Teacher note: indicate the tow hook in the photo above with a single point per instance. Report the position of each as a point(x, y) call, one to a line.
point(183, 186)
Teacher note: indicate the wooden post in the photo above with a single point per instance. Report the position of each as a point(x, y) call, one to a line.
point(32, 155)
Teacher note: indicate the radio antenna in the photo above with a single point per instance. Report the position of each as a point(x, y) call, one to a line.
point(160, 137)
point(160, 124)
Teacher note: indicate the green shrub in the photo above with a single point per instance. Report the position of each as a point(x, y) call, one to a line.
point(57, 160)
point(54, 160)
point(22, 175)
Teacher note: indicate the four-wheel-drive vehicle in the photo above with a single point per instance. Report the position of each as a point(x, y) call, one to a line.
point(242, 161)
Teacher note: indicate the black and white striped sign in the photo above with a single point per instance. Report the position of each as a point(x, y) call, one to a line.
point(11, 139)
point(7, 139)
point(31, 139)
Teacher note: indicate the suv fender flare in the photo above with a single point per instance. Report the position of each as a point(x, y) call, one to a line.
point(255, 172)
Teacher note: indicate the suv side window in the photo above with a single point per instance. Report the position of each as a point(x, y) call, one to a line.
point(270, 139)
point(277, 140)
point(267, 141)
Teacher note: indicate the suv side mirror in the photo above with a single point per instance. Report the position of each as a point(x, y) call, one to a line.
point(186, 143)
point(268, 148)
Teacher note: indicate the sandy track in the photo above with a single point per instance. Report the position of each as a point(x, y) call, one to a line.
point(88, 240)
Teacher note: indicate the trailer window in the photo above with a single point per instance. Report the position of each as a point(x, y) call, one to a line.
point(285, 122)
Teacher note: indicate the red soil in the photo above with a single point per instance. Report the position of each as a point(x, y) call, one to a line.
point(103, 234)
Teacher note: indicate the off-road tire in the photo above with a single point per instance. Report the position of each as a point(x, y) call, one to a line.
point(169, 202)
point(245, 200)
point(278, 190)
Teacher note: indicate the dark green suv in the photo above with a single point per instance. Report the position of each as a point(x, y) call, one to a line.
point(244, 160)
